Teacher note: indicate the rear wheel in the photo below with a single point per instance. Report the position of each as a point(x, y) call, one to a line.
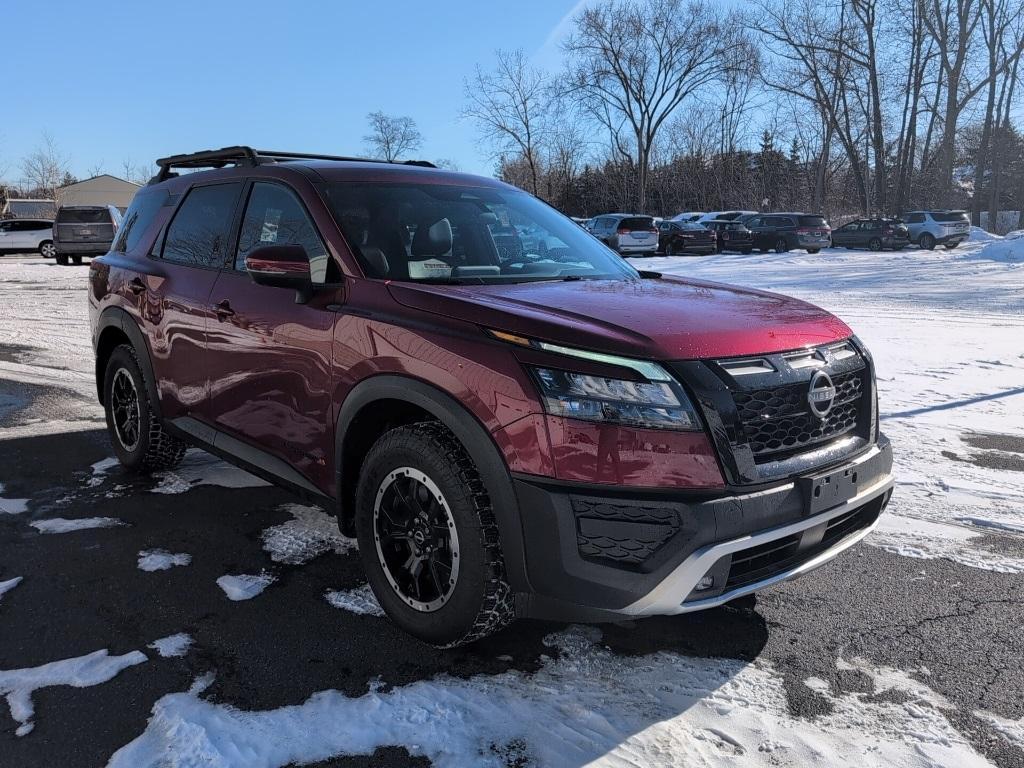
point(47, 249)
point(813, 250)
point(76, 260)
point(62, 259)
point(138, 437)
point(428, 538)
point(745, 251)
point(875, 244)
point(927, 241)
point(949, 246)
point(781, 246)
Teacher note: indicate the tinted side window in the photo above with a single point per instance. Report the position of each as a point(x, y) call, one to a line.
point(274, 216)
point(198, 233)
point(137, 219)
point(915, 218)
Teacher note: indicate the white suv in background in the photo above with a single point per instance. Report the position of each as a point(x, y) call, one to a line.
point(931, 228)
point(627, 233)
point(27, 236)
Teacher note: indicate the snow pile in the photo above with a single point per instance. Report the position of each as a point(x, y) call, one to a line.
point(588, 707)
point(244, 586)
point(172, 646)
point(359, 600)
point(312, 533)
point(63, 525)
point(201, 468)
point(161, 560)
point(1014, 235)
point(94, 668)
point(7, 586)
point(979, 235)
point(1007, 249)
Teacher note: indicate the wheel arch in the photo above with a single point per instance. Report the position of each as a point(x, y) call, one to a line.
point(387, 400)
point(116, 327)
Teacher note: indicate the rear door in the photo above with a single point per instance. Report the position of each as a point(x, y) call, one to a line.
point(270, 357)
point(175, 303)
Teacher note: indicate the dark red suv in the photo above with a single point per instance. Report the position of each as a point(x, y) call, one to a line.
point(508, 433)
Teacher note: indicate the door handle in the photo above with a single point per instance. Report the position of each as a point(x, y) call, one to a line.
point(136, 286)
point(223, 310)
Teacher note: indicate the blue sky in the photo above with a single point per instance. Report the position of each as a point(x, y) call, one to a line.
point(117, 80)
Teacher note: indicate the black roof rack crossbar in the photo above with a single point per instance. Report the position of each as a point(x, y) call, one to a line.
point(241, 155)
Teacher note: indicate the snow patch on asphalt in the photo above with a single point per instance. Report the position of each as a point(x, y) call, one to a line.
point(587, 707)
point(312, 533)
point(172, 646)
point(161, 560)
point(359, 600)
point(94, 668)
point(201, 468)
point(64, 525)
point(12, 506)
point(100, 470)
point(1011, 730)
point(927, 540)
point(244, 586)
point(7, 586)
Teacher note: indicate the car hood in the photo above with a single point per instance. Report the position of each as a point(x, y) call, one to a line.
point(661, 319)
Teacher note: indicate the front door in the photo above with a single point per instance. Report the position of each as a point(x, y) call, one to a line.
point(270, 357)
point(174, 297)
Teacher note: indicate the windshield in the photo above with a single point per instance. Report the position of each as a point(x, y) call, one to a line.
point(457, 234)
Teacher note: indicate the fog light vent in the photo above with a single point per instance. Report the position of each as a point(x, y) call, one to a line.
point(706, 583)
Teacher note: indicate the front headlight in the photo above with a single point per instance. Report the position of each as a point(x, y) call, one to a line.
point(647, 404)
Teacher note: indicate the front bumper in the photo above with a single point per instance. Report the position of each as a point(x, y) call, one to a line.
point(596, 554)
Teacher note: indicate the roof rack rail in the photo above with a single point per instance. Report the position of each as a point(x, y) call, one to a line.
point(242, 155)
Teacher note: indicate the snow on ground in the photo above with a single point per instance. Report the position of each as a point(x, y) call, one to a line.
point(244, 586)
point(312, 533)
point(7, 586)
point(94, 668)
point(100, 470)
point(63, 525)
point(13, 506)
point(172, 646)
point(359, 600)
point(588, 707)
point(946, 329)
point(162, 560)
point(200, 468)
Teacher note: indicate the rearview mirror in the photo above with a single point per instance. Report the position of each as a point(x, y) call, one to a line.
point(282, 266)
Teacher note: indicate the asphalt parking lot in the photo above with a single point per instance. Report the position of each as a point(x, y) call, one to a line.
point(83, 591)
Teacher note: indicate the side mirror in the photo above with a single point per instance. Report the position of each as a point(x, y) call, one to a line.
point(281, 266)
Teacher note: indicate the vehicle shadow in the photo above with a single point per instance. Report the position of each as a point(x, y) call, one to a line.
point(83, 591)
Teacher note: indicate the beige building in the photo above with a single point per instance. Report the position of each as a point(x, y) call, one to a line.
point(99, 190)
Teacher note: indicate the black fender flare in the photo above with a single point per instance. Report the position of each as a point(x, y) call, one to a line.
point(118, 318)
point(473, 436)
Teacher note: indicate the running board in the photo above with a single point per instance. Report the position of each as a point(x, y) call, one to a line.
point(242, 454)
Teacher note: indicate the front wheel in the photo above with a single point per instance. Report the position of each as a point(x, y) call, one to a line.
point(670, 249)
point(139, 440)
point(428, 537)
point(47, 249)
point(875, 244)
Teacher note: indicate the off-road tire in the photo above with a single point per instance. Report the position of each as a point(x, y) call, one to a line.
point(156, 449)
point(62, 259)
point(482, 601)
point(927, 241)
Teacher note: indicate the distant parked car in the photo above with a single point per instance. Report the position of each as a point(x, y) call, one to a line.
point(677, 237)
point(723, 216)
point(731, 235)
point(687, 216)
point(931, 228)
point(27, 236)
point(873, 234)
point(781, 232)
point(628, 234)
point(84, 230)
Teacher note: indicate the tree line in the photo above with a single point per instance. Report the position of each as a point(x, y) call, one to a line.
point(844, 107)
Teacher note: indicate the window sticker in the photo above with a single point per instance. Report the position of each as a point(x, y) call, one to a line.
point(271, 222)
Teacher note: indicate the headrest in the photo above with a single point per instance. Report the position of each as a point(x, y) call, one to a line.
point(432, 239)
point(376, 261)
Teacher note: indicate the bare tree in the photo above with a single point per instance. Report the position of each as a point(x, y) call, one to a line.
point(632, 64)
point(46, 168)
point(392, 137)
point(510, 107)
point(137, 174)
